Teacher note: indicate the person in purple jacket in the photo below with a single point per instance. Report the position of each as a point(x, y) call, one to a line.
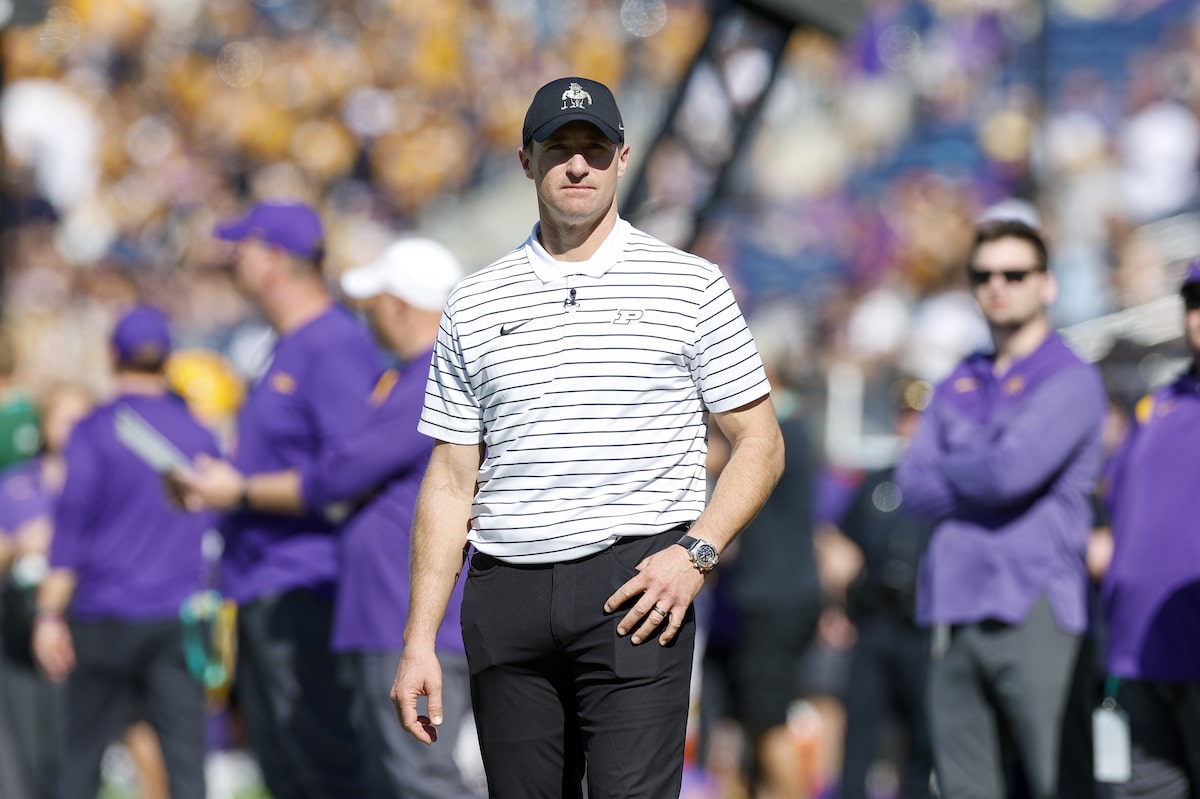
point(373, 471)
point(1004, 460)
point(1152, 587)
point(122, 562)
point(281, 570)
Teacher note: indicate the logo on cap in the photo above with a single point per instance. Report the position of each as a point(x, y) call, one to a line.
point(575, 97)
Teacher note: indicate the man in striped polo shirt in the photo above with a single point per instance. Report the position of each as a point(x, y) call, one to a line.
point(569, 396)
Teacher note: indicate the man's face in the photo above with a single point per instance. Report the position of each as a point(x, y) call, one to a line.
point(61, 412)
point(575, 170)
point(1191, 302)
point(385, 317)
point(254, 263)
point(1008, 284)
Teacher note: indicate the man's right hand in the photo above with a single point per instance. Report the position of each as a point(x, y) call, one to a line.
point(419, 674)
point(53, 648)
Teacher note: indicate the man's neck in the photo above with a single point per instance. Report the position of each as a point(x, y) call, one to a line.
point(575, 242)
point(1013, 344)
point(293, 305)
point(417, 340)
point(149, 384)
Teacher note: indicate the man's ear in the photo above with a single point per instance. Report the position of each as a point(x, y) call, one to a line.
point(622, 159)
point(1049, 289)
point(524, 157)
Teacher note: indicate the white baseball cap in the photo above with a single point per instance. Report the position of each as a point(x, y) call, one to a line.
point(419, 271)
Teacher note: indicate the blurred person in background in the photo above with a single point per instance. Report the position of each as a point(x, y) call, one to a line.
point(1004, 460)
point(889, 663)
point(372, 471)
point(19, 436)
point(122, 562)
point(1077, 778)
point(28, 495)
point(1152, 586)
point(765, 603)
point(282, 569)
point(571, 387)
point(212, 387)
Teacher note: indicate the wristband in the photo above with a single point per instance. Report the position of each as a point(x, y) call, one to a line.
point(244, 497)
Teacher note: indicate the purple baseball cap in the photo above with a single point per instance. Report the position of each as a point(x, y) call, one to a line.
point(142, 337)
point(1192, 276)
point(294, 226)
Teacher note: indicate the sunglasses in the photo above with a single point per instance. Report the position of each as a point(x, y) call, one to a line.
point(981, 277)
point(1191, 300)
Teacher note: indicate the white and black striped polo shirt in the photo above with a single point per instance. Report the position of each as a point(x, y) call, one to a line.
point(590, 384)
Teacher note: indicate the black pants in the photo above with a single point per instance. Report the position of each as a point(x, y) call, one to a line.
point(556, 691)
point(31, 708)
point(297, 710)
point(1164, 722)
point(118, 663)
point(889, 667)
point(30, 705)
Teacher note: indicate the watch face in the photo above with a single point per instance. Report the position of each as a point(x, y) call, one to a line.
point(706, 555)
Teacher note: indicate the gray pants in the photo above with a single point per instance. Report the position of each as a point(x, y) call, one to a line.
point(999, 687)
point(396, 765)
point(1164, 721)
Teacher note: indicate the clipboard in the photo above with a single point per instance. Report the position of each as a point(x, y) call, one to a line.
point(145, 441)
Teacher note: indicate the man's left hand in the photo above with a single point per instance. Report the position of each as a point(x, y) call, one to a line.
point(664, 588)
point(214, 484)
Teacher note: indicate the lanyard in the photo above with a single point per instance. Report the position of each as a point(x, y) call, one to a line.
point(1112, 684)
point(208, 640)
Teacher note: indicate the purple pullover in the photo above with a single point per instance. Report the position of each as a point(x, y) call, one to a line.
point(135, 557)
point(23, 497)
point(1005, 466)
point(311, 392)
point(379, 464)
point(1152, 589)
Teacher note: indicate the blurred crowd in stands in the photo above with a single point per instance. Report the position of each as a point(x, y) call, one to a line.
point(131, 126)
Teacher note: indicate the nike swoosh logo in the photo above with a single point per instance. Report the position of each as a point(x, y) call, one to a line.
point(504, 331)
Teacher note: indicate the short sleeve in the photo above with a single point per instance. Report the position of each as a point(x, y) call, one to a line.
point(725, 363)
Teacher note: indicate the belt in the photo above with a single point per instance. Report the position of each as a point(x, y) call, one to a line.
point(483, 560)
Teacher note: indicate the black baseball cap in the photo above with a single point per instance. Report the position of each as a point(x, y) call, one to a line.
point(569, 99)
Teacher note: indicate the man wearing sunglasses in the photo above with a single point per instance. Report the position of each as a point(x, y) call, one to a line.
point(1004, 460)
point(1152, 587)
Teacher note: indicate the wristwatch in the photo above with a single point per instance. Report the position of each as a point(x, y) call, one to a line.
point(703, 554)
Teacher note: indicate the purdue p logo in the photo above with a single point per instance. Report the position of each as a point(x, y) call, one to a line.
point(625, 317)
